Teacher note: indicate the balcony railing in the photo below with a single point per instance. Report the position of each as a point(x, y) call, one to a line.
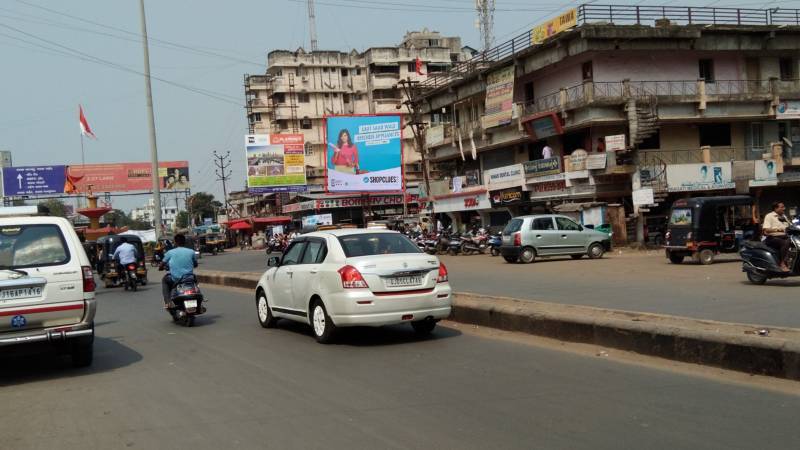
point(620, 15)
point(690, 156)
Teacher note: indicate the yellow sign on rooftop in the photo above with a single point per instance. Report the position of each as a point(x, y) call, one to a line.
point(554, 26)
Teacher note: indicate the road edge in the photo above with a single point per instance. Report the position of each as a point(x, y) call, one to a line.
point(693, 342)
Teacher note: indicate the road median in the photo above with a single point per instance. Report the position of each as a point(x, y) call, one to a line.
point(748, 348)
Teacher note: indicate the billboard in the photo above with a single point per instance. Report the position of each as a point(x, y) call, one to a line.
point(552, 27)
point(499, 98)
point(34, 180)
point(699, 177)
point(275, 163)
point(364, 154)
point(121, 177)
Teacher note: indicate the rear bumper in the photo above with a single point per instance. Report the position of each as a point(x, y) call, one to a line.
point(367, 309)
point(511, 251)
point(61, 333)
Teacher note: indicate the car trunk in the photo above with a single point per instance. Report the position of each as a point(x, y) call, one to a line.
point(31, 302)
point(400, 272)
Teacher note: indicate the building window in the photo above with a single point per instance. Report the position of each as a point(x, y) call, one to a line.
point(356, 97)
point(757, 135)
point(309, 148)
point(529, 94)
point(257, 117)
point(652, 142)
point(358, 71)
point(412, 67)
point(305, 123)
point(303, 97)
point(715, 134)
point(395, 69)
point(324, 70)
point(787, 69)
point(282, 124)
point(588, 71)
point(279, 98)
point(335, 95)
point(346, 98)
point(344, 72)
point(707, 70)
point(434, 68)
point(433, 42)
point(327, 95)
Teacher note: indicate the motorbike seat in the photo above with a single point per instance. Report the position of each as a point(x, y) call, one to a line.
point(758, 245)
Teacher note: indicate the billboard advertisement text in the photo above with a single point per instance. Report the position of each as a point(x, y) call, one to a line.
point(121, 177)
point(275, 163)
point(364, 154)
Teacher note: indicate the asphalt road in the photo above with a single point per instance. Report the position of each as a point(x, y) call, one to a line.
point(632, 281)
point(228, 383)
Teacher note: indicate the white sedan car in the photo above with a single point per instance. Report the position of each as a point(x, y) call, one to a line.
point(354, 277)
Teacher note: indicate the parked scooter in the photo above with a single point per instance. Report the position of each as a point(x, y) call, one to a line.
point(474, 243)
point(494, 244)
point(760, 262)
point(454, 244)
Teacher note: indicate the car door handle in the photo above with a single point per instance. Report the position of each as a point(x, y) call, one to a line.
point(288, 272)
point(313, 271)
point(564, 236)
point(538, 236)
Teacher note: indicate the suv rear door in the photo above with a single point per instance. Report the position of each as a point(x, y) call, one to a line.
point(41, 281)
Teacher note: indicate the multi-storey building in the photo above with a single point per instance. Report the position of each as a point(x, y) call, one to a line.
point(146, 213)
point(697, 101)
point(300, 88)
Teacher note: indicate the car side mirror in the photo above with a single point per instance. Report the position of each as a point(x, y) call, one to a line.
point(273, 261)
point(580, 227)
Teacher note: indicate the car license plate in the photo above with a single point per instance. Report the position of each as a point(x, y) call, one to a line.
point(403, 281)
point(18, 293)
point(190, 304)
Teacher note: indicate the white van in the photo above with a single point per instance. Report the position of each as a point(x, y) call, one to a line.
point(46, 285)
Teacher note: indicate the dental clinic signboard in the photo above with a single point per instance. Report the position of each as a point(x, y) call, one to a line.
point(504, 177)
point(700, 177)
point(365, 153)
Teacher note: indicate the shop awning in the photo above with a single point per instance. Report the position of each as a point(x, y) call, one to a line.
point(268, 220)
point(240, 226)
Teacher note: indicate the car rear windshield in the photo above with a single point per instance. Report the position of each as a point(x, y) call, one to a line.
point(681, 216)
point(513, 226)
point(32, 246)
point(367, 244)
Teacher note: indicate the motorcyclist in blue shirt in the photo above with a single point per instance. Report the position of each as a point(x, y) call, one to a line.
point(181, 262)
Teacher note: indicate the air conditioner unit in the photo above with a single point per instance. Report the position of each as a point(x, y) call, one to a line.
point(304, 79)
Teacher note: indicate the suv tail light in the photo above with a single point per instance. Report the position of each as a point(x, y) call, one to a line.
point(517, 239)
point(88, 279)
point(442, 278)
point(351, 278)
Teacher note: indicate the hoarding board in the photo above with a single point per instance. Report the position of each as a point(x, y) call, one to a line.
point(699, 177)
point(364, 154)
point(33, 180)
point(317, 219)
point(275, 163)
point(543, 167)
point(765, 173)
point(504, 177)
point(499, 98)
point(615, 143)
point(121, 177)
point(554, 26)
point(788, 109)
point(643, 196)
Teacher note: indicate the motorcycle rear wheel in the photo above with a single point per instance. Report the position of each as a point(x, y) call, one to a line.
point(756, 278)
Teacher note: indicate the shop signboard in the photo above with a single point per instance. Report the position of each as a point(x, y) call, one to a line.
point(788, 109)
point(434, 135)
point(544, 127)
point(643, 196)
point(699, 177)
point(554, 26)
point(576, 161)
point(547, 178)
point(34, 180)
point(789, 176)
point(473, 202)
point(317, 219)
point(499, 104)
point(300, 206)
point(542, 167)
point(365, 153)
point(374, 200)
point(275, 163)
point(615, 143)
point(504, 177)
point(596, 161)
point(743, 170)
point(506, 197)
point(549, 189)
point(765, 174)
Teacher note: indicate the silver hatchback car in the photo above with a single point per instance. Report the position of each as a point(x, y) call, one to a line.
point(526, 237)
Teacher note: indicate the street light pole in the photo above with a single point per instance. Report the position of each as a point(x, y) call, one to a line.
point(152, 125)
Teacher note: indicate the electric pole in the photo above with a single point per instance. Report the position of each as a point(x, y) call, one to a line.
point(418, 128)
point(151, 121)
point(312, 25)
point(223, 174)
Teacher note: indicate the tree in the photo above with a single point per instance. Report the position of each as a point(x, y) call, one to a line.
point(182, 219)
point(57, 207)
point(202, 204)
point(116, 218)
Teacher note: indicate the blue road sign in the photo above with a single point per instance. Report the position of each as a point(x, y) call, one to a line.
point(33, 180)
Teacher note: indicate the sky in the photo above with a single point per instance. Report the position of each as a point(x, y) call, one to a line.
point(199, 52)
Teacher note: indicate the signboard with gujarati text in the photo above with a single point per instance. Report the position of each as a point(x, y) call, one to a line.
point(542, 167)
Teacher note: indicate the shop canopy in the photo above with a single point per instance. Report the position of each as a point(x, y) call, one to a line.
point(269, 220)
point(240, 226)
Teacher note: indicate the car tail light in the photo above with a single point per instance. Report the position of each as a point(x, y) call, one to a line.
point(517, 239)
point(88, 279)
point(442, 278)
point(351, 278)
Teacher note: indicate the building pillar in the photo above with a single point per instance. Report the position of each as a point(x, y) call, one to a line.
point(702, 99)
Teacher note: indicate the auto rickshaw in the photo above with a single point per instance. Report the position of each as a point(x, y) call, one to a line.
point(204, 245)
point(703, 227)
point(107, 267)
point(217, 240)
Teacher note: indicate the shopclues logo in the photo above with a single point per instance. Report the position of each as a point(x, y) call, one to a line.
point(384, 180)
point(366, 180)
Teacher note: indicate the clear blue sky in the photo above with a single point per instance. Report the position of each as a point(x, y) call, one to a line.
point(41, 88)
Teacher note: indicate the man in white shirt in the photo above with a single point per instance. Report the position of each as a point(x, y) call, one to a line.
point(774, 228)
point(547, 152)
point(125, 253)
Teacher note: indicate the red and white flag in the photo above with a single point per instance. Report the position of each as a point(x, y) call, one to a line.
point(85, 129)
point(418, 66)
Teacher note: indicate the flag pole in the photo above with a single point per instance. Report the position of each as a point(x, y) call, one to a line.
point(83, 155)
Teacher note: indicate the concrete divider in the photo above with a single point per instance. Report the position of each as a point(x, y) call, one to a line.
point(727, 345)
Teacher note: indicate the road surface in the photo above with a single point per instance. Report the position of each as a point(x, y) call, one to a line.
point(228, 383)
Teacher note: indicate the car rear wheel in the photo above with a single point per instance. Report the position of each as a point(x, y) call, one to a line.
point(265, 317)
point(423, 327)
point(596, 251)
point(527, 255)
point(706, 256)
point(321, 323)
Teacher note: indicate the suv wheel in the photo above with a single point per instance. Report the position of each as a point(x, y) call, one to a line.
point(82, 352)
point(596, 251)
point(527, 255)
point(321, 323)
point(423, 327)
point(265, 317)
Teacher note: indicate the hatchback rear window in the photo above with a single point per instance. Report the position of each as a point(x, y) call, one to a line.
point(681, 216)
point(513, 226)
point(32, 246)
point(376, 244)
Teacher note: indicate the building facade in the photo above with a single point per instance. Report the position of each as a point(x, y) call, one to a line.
point(146, 213)
point(625, 101)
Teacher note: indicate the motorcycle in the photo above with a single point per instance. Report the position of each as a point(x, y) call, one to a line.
point(494, 244)
point(131, 279)
point(474, 243)
point(454, 244)
point(760, 262)
point(186, 301)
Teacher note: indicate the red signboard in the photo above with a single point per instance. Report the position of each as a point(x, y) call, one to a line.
point(118, 177)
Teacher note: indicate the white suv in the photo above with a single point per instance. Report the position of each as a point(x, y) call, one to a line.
point(46, 285)
point(353, 277)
